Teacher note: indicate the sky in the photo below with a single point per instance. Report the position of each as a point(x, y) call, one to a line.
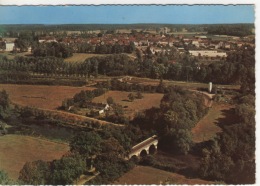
point(112, 14)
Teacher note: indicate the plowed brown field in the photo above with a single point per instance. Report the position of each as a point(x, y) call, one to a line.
point(40, 96)
point(16, 150)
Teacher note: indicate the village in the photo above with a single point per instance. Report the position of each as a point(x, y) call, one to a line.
point(197, 44)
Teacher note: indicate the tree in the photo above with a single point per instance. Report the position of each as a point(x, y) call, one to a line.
point(22, 44)
point(86, 143)
point(178, 140)
point(139, 95)
point(161, 87)
point(214, 164)
point(131, 47)
point(110, 101)
point(4, 99)
point(111, 147)
point(35, 173)
point(3, 127)
point(110, 167)
point(26, 112)
point(131, 97)
point(67, 169)
point(59, 50)
point(4, 104)
point(4, 179)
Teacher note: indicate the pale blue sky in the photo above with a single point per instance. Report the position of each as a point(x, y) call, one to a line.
point(172, 14)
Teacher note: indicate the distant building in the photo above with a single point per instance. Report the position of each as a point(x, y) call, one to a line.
point(201, 37)
point(181, 50)
point(9, 46)
point(207, 53)
point(195, 43)
point(97, 106)
point(47, 40)
point(165, 30)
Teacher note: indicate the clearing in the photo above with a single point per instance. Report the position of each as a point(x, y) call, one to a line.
point(207, 127)
point(17, 149)
point(143, 175)
point(40, 96)
point(149, 100)
point(80, 57)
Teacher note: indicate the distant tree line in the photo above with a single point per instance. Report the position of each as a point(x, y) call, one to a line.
point(233, 30)
point(116, 84)
point(13, 30)
point(229, 72)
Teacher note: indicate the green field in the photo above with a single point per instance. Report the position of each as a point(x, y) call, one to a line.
point(16, 150)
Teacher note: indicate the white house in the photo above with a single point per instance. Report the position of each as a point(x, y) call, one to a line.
point(9, 46)
point(196, 43)
point(102, 111)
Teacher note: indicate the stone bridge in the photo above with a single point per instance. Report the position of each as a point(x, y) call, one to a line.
point(148, 146)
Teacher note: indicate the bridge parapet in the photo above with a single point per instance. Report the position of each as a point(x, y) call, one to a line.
point(151, 138)
point(144, 146)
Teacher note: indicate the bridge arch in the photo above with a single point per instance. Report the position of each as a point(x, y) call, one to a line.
point(134, 158)
point(152, 149)
point(144, 153)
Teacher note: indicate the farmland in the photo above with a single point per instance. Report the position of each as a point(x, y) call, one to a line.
point(16, 150)
point(40, 96)
point(148, 101)
point(148, 175)
point(80, 57)
point(207, 127)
